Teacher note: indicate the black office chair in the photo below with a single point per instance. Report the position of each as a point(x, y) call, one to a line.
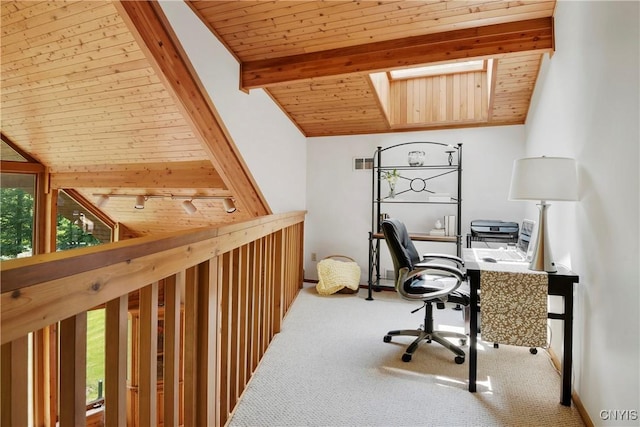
point(425, 280)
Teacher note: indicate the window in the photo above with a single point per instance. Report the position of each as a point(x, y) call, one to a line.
point(7, 153)
point(77, 226)
point(437, 70)
point(17, 207)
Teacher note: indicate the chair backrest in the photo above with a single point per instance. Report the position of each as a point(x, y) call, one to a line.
point(403, 251)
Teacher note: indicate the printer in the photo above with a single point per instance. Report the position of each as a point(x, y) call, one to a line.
point(491, 228)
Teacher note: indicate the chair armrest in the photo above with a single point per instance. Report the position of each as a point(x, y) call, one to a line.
point(421, 269)
point(434, 256)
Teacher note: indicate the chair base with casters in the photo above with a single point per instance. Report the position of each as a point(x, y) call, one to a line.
point(430, 279)
point(427, 333)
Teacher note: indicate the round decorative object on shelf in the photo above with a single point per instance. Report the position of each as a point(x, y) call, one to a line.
point(416, 158)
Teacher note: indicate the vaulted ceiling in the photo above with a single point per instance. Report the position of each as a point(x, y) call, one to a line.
point(101, 93)
point(325, 62)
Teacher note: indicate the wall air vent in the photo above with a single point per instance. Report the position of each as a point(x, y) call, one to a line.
point(362, 163)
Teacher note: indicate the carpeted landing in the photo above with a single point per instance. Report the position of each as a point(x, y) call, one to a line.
point(330, 367)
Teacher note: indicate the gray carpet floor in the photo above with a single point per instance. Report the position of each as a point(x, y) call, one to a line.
point(330, 367)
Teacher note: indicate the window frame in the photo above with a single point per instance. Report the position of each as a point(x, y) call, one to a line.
point(436, 70)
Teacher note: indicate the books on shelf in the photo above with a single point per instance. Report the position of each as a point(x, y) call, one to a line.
point(440, 197)
point(449, 228)
point(450, 225)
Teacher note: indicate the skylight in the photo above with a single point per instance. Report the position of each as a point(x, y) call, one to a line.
point(436, 70)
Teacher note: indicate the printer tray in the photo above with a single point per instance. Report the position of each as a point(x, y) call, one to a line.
point(494, 228)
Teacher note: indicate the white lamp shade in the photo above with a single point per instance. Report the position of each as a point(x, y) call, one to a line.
point(544, 178)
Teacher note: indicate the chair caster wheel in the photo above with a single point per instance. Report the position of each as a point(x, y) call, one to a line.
point(459, 360)
point(406, 357)
point(387, 338)
point(533, 350)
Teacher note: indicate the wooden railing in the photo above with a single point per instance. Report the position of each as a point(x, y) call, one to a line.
point(225, 293)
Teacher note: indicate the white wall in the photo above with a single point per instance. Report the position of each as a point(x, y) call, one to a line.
point(586, 107)
point(271, 146)
point(339, 198)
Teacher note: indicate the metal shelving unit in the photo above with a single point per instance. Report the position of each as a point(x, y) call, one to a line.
point(417, 180)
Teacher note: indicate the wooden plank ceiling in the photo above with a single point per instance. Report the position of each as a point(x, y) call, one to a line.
point(88, 89)
point(84, 93)
point(315, 58)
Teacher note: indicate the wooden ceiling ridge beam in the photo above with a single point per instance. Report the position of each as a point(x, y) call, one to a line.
point(173, 175)
point(151, 28)
point(480, 42)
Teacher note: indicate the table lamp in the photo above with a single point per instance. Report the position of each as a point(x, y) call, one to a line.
point(544, 178)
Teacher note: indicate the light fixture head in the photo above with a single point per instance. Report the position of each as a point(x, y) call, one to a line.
point(102, 200)
point(140, 202)
point(544, 178)
point(229, 206)
point(189, 207)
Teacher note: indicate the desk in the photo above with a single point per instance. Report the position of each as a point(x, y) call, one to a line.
point(560, 283)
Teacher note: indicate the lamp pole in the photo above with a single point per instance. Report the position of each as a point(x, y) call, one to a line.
point(542, 259)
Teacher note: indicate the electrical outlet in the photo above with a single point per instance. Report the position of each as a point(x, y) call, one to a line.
point(314, 257)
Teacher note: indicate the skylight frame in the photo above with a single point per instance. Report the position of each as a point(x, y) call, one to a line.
point(438, 70)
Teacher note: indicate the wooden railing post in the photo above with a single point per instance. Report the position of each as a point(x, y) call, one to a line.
point(73, 370)
point(190, 347)
point(116, 362)
point(244, 316)
point(13, 393)
point(207, 345)
point(172, 327)
point(279, 280)
point(224, 309)
point(148, 359)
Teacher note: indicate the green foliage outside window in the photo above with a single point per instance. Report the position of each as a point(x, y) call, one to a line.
point(16, 222)
point(71, 235)
point(16, 226)
point(95, 353)
point(16, 238)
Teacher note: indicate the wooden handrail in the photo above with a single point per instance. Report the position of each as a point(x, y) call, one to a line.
point(40, 290)
point(23, 272)
point(226, 291)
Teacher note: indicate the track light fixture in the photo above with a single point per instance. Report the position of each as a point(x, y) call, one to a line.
point(188, 206)
point(102, 200)
point(140, 202)
point(229, 206)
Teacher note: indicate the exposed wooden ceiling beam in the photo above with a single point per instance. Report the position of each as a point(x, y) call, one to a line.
point(191, 175)
point(480, 42)
point(150, 27)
